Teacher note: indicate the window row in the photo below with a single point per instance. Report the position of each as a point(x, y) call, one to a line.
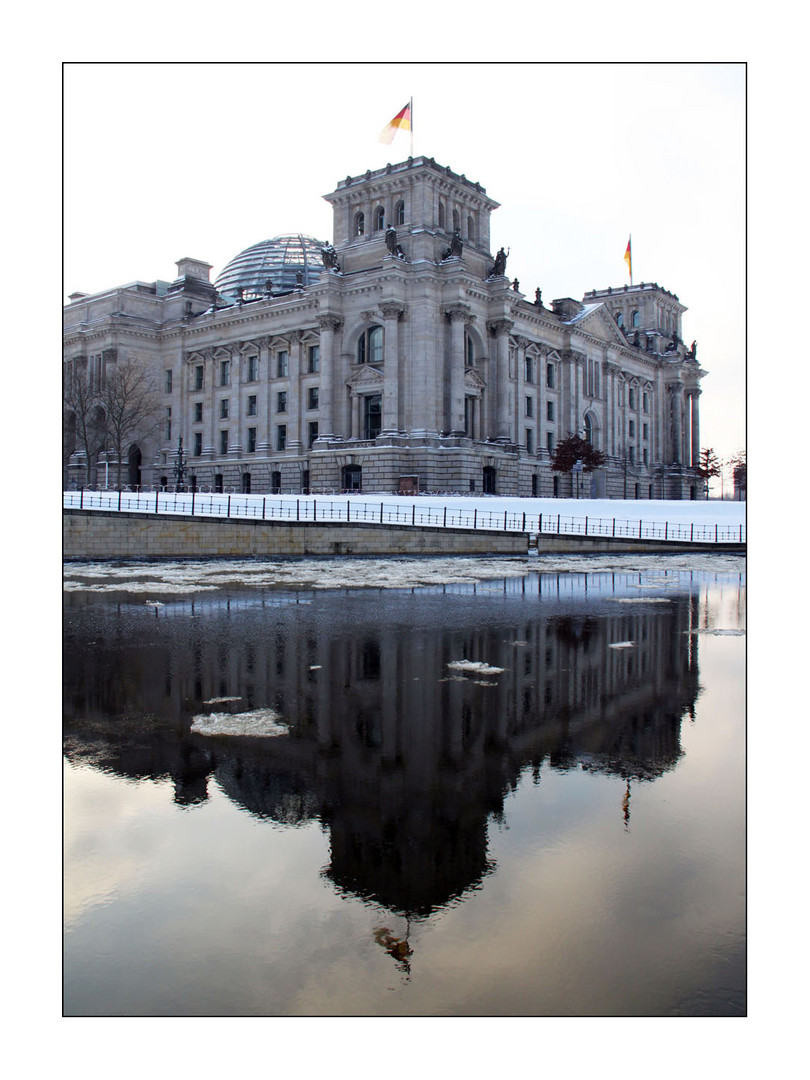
point(378, 218)
point(252, 405)
point(223, 369)
point(279, 440)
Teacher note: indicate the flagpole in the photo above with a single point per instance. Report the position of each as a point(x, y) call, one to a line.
point(411, 127)
point(630, 242)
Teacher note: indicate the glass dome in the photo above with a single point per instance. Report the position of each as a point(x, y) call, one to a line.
point(279, 261)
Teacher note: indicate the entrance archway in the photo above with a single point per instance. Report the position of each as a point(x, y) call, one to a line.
point(134, 466)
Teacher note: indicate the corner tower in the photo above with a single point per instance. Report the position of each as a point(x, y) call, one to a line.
point(426, 203)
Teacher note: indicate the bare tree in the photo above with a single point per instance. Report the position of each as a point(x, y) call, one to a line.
point(84, 417)
point(132, 406)
point(710, 465)
point(739, 472)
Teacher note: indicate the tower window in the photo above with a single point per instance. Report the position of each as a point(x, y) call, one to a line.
point(359, 223)
point(379, 219)
point(399, 213)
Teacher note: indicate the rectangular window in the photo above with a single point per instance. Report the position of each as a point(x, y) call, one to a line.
point(312, 397)
point(632, 398)
point(529, 406)
point(253, 369)
point(372, 416)
point(281, 401)
point(646, 454)
point(314, 359)
point(529, 441)
point(198, 377)
point(198, 406)
point(529, 370)
point(197, 443)
point(550, 441)
point(168, 424)
point(632, 451)
point(550, 375)
point(251, 433)
point(251, 405)
point(281, 437)
point(645, 431)
point(223, 442)
point(225, 373)
point(168, 381)
point(631, 428)
point(645, 402)
point(313, 431)
point(282, 364)
point(224, 407)
point(549, 410)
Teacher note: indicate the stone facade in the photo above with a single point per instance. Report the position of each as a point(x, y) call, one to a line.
point(413, 363)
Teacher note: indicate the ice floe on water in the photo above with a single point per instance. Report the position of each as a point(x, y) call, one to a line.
point(622, 645)
point(477, 667)
point(259, 722)
point(196, 576)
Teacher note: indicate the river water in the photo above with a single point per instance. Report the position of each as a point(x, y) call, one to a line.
point(411, 787)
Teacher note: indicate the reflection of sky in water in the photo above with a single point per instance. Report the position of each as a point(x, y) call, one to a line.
point(594, 903)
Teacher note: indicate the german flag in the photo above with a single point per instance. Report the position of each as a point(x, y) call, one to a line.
point(401, 122)
point(628, 258)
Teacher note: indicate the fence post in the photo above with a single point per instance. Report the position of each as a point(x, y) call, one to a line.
point(715, 534)
point(413, 514)
point(228, 514)
point(614, 526)
point(192, 502)
point(524, 521)
point(381, 513)
point(558, 524)
point(666, 529)
point(540, 524)
point(348, 511)
point(157, 496)
point(444, 523)
point(119, 500)
point(504, 519)
point(475, 518)
point(314, 509)
point(639, 530)
point(740, 532)
point(81, 498)
point(586, 524)
point(692, 533)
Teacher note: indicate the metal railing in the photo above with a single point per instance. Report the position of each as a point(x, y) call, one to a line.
point(279, 508)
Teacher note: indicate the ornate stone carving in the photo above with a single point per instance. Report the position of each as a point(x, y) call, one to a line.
point(329, 322)
point(392, 309)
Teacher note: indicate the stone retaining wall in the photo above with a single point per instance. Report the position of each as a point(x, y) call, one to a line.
point(101, 534)
point(98, 534)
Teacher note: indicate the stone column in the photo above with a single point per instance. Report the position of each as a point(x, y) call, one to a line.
point(391, 313)
point(520, 418)
point(327, 324)
point(295, 405)
point(209, 379)
point(458, 314)
point(234, 405)
point(694, 396)
point(501, 329)
point(676, 396)
point(263, 399)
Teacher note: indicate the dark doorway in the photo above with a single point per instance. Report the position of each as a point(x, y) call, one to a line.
point(372, 416)
point(490, 474)
point(218, 485)
point(245, 483)
point(275, 482)
point(134, 466)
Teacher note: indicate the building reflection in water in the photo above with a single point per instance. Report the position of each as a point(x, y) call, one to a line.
point(401, 757)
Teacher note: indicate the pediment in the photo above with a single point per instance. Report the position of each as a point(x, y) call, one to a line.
point(597, 321)
point(472, 380)
point(365, 378)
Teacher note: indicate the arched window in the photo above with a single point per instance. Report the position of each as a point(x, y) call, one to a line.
point(590, 430)
point(469, 353)
point(456, 221)
point(370, 346)
point(471, 228)
point(620, 320)
point(636, 319)
point(379, 218)
point(359, 223)
point(399, 213)
point(442, 217)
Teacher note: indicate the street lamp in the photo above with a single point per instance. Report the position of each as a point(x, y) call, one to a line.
point(577, 468)
point(179, 466)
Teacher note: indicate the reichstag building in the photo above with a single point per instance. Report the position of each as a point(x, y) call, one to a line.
point(398, 357)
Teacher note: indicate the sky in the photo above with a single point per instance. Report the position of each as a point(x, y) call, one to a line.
point(168, 160)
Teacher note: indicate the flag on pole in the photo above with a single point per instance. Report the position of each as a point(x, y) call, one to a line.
point(401, 122)
point(628, 258)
